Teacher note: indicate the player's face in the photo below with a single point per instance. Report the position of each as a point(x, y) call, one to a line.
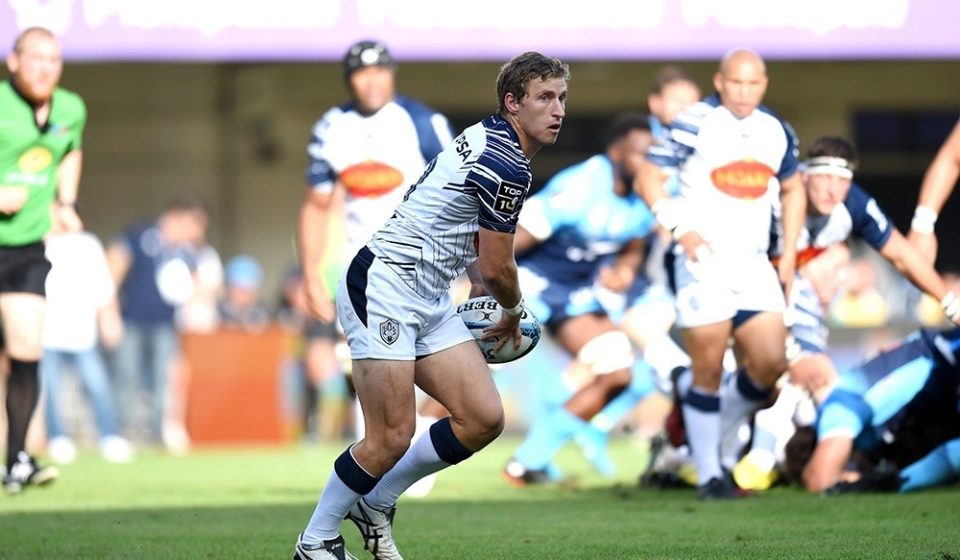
point(825, 191)
point(741, 86)
point(540, 113)
point(372, 88)
point(672, 100)
point(631, 152)
point(37, 67)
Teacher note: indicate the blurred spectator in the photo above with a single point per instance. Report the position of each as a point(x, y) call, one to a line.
point(318, 390)
point(241, 306)
point(81, 300)
point(156, 266)
point(860, 303)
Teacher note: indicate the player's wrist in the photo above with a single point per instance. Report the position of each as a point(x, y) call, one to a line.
point(924, 220)
point(951, 307)
point(669, 214)
point(514, 311)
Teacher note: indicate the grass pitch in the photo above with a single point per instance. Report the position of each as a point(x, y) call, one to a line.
point(250, 504)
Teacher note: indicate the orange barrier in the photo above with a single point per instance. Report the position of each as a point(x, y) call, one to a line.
point(235, 392)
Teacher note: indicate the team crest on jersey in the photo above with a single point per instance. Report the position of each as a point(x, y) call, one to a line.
point(389, 331)
point(371, 178)
point(747, 179)
point(508, 196)
point(35, 159)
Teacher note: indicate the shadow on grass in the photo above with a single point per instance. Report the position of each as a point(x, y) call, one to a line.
point(602, 523)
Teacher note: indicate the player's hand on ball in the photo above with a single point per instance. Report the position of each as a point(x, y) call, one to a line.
point(504, 330)
point(501, 337)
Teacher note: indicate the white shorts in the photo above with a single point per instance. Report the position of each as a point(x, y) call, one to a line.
point(385, 319)
point(717, 289)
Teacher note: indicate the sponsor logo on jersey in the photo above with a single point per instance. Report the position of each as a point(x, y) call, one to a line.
point(35, 160)
point(747, 179)
point(508, 195)
point(803, 256)
point(370, 178)
point(390, 331)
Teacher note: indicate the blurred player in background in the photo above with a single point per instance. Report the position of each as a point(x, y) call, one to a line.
point(586, 228)
point(395, 306)
point(938, 183)
point(734, 158)
point(837, 209)
point(901, 406)
point(40, 162)
point(363, 155)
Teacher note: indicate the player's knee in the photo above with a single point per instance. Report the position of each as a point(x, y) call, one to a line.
point(607, 353)
point(707, 377)
point(489, 423)
point(395, 442)
point(768, 369)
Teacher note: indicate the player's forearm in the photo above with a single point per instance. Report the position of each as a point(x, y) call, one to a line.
point(501, 281)
point(942, 175)
point(631, 258)
point(68, 177)
point(913, 267)
point(312, 229)
point(649, 184)
point(794, 202)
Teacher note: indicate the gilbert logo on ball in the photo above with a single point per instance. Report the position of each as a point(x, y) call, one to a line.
point(482, 312)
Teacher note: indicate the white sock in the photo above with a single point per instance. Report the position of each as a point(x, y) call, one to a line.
point(739, 397)
point(337, 499)
point(701, 416)
point(423, 458)
point(663, 355)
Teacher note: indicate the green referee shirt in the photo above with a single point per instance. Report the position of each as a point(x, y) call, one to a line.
point(30, 155)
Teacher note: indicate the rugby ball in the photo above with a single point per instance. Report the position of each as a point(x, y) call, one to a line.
point(481, 312)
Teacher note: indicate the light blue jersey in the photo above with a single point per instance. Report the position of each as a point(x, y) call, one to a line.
point(579, 221)
point(912, 385)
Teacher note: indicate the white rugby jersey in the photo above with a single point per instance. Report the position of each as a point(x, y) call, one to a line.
point(375, 157)
point(481, 180)
point(858, 215)
point(729, 171)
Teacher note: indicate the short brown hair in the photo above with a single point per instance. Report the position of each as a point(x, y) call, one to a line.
point(670, 75)
point(833, 146)
point(519, 70)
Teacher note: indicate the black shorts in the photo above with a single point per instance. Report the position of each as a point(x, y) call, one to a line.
point(24, 269)
point(315, 329)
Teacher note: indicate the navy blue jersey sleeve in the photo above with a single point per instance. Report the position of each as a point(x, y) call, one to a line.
point(320, 174)
point(869, 221)
point(433, 129)
point(502, 186)
point(677, 141)
point(791, 157)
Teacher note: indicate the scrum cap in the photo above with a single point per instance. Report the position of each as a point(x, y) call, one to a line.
point(367, 53)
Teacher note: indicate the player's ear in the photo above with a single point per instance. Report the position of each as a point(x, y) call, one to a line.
point(13, 64)
point(511, 103)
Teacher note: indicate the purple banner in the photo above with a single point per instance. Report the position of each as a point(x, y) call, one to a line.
point(221, 30)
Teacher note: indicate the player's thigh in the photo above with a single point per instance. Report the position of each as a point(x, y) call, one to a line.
point(575, 332)
point(762, 339)
point(648, 318)
point(706, 345)
point(385, 390)
point(22, 323)
point(459, 379)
